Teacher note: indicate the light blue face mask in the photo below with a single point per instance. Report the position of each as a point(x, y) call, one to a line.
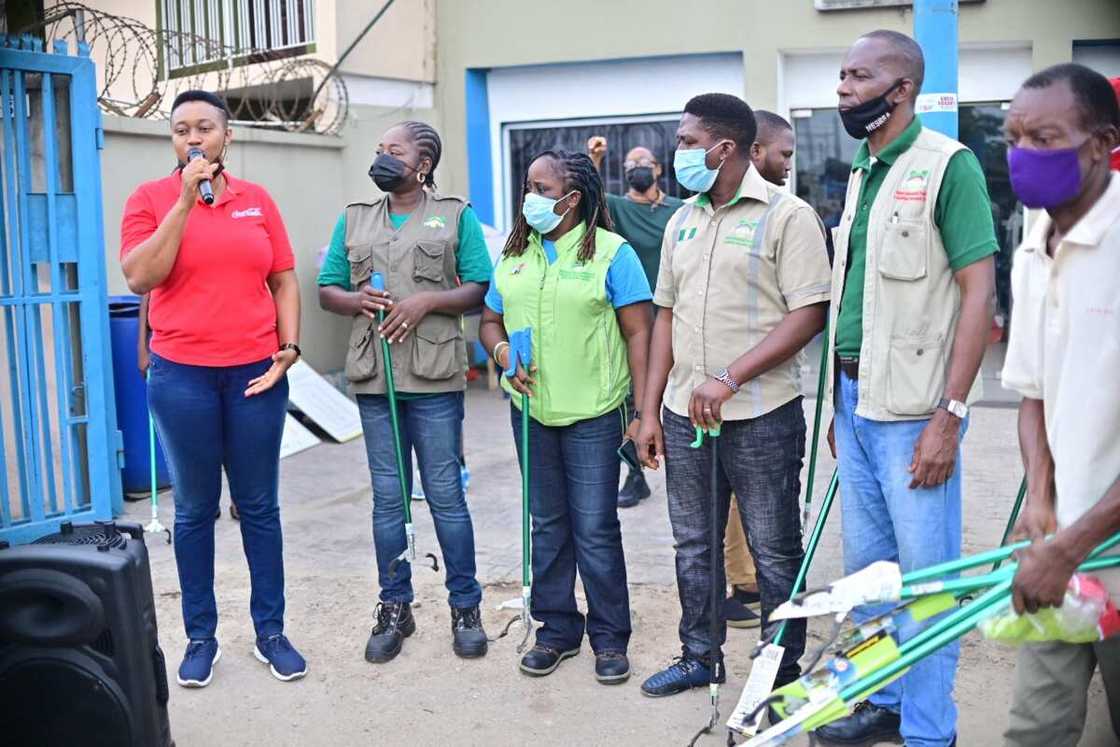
point(539, 212)
point(692, 168)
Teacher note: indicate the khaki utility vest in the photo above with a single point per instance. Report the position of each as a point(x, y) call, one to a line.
point(911, 302)
point(420, 256)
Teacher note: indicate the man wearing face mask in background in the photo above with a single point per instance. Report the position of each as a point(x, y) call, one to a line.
point(1062, 357)
point(640, 217)
point(743, 286)
point(912, 284)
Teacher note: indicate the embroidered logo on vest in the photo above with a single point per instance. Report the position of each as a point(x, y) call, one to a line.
point(914, 187)
point(436, 221)
point(686, 233)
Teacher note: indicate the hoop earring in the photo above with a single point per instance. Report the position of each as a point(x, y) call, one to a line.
point(420, 177)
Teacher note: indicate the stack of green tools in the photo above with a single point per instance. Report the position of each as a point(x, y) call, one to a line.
point(869, 656)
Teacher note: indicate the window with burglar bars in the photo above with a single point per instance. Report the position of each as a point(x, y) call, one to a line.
point(199, 33)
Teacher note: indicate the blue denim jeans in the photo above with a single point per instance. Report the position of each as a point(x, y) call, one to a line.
point(573, 499)
point(760, 460)
point(883, 519)
point(205, 423)
point(433, 428)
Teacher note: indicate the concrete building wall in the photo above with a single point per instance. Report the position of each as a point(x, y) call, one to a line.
point(771, 36)
point(310, 177)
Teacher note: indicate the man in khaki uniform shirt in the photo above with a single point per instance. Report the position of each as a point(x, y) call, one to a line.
point(743, 286)
point(1063, 357)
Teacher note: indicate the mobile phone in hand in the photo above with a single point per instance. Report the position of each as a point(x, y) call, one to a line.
point(628, 453)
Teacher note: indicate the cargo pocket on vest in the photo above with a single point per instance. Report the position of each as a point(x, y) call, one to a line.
point(428, 261)
point(435, 352)
point(903, 256)
point(915, 375)
point(361, 264)
point(361, 358)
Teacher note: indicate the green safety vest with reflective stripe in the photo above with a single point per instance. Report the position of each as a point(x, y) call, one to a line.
point(578, 346)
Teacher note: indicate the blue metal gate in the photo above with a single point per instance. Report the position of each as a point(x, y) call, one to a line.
point(59, 442)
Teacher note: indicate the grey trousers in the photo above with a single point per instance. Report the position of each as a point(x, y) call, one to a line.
point(1051, 692)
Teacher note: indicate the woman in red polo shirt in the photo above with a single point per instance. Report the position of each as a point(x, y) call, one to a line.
point(224, 312)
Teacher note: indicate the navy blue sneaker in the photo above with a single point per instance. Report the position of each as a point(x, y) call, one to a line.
point(684, 674)
point(284, 661)
point(198, 663)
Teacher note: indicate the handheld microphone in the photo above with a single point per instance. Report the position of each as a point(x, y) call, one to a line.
point(205, 188)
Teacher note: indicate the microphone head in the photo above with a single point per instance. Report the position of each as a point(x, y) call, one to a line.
point(377, 281)
point(194, 153)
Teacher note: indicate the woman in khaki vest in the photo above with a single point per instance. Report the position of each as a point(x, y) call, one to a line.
point(430, 250)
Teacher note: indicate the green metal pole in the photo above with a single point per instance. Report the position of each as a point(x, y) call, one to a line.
point(816, 428)
point(1011, 520)
point(391, 392)
point(811, 548)
point(526, 531)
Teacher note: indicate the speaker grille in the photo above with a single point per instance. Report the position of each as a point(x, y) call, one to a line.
point(86, 534)
point(104, 643)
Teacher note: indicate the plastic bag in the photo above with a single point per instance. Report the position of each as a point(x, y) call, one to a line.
point(1087, 615)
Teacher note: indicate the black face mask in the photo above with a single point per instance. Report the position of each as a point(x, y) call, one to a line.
point(860, 121)
point(388, 172)
point(640, 178)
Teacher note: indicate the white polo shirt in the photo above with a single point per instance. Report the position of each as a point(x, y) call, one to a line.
point(1065, 351)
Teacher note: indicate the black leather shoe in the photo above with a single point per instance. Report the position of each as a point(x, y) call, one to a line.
point(611, 667)
point(469, 639)
point(634, 490)
point(542, 660)
point(394, 624)
point(869, 723)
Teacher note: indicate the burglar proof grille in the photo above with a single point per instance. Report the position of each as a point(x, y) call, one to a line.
point(236, 32)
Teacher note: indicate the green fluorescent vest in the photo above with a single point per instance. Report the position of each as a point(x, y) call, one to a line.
point(578, 347)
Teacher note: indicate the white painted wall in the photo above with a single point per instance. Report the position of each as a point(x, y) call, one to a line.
point(986, 73)
point(599, 90)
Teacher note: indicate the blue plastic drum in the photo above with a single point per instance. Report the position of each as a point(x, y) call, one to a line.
point(131, 394)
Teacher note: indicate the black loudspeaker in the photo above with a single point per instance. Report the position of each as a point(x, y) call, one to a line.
point(80, 663)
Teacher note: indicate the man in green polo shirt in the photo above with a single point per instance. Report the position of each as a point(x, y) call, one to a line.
point(912, 285)
point(640, 217)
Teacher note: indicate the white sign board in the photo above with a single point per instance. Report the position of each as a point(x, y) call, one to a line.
point(296, 437)
point(936, 102)
point(331, 410)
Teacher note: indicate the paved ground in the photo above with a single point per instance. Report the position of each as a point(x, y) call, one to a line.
point(427, 695)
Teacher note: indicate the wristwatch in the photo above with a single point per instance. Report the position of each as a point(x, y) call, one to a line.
point(723, 377)
point(960, 409)
point(292, 346)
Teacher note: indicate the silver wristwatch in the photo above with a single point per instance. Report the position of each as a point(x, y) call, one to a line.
point(960, 409)
point(723, 377)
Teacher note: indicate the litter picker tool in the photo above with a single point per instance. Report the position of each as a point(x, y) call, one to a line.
point(154, 526)
point(876, 658)
point(715, 593)
point(1013, 518)
point(767, 656)
point(870, 655)
point(408, 555)
point(882, 582)
point(821, 376)
point(521, 354)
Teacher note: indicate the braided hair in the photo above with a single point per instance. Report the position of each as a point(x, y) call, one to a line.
point(428, 143)
point(577, 172)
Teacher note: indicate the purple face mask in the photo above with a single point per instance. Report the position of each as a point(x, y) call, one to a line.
point(1044, 178)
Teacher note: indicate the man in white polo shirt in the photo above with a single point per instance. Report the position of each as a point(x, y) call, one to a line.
point(1064, 358)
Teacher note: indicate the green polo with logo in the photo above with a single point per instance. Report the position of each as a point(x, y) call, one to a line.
point(963, 215)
